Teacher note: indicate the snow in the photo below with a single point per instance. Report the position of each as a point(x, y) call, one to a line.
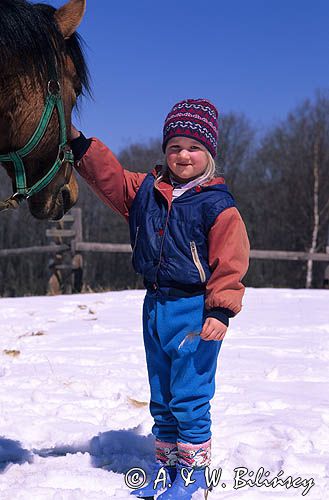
point(73, 394)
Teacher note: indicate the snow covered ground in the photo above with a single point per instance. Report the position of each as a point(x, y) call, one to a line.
point(73, 387)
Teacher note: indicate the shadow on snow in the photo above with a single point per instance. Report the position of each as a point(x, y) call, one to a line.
point(11, 452)
point(116, 451)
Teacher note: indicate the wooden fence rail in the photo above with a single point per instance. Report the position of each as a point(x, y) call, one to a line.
point(12, 252)
point(66, 247)
point(286, 255)
point(67, 237)
point(85, 246)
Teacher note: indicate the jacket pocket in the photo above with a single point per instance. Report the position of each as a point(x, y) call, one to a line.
point(197, 261)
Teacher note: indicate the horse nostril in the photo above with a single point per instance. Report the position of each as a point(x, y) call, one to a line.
point(66, 197)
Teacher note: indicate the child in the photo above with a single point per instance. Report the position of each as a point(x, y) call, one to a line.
point(191, 247)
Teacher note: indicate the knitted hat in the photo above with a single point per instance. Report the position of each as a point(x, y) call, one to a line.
point(193, 118)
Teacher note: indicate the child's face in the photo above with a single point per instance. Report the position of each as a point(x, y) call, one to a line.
point(186, 158)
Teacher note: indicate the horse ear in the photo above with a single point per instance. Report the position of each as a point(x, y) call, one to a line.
point(70, 16)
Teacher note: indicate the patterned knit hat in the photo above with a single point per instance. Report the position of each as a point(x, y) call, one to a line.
point(193, 118)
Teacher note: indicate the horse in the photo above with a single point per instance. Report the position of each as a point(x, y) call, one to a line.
point(42, 74)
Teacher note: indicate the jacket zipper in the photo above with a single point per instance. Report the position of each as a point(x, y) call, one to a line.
point(197, 261)
point(135, 243)
point(161, 248)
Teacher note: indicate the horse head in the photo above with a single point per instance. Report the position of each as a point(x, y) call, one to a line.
point(42, 74)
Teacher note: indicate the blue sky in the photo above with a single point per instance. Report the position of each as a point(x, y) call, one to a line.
point(260, 58)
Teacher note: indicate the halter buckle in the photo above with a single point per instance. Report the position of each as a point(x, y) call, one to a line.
point(65, 154)
point(18, 197)
point(54, 88)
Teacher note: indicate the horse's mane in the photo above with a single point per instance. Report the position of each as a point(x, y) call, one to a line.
point(32, 45)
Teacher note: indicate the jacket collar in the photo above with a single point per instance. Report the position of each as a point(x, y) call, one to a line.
point(166, 188)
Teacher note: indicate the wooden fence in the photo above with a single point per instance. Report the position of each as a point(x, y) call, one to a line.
point(68, 241)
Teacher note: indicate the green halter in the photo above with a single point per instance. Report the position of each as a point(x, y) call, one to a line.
point(53, 100)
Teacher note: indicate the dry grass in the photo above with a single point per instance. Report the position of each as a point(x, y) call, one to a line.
point(11, 352)
point(137, 404)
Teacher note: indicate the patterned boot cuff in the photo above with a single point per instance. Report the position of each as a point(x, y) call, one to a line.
point(166, 453)
point(194, 455)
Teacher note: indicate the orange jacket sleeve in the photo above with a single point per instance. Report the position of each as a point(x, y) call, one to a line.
point(229, 260)
point(114, 185)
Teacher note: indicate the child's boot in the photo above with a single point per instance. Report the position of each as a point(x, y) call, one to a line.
point(166, 458)
point(192, 461)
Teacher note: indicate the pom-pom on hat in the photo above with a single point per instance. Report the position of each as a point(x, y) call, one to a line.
point(193, 118)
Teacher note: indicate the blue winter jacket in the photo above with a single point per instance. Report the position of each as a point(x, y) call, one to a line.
point(170, 247)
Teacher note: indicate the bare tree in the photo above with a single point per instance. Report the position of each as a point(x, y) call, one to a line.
point(293, 163)
point(236, 144)
point(316, 218)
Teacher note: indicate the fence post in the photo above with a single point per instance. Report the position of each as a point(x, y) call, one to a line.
point(66, 267)
point(77, 259)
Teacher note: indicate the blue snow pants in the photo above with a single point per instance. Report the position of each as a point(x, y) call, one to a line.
point(182, 380)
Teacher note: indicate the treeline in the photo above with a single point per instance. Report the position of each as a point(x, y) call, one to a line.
point(280, 179)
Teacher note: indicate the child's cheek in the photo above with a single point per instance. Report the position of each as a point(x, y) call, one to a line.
point(170, 160)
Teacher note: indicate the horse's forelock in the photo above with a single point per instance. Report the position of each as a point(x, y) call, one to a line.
point(32, 45)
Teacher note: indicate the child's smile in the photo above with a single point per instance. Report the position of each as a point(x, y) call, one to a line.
point(186, 158)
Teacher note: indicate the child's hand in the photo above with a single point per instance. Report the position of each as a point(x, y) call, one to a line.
point(213, 329)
